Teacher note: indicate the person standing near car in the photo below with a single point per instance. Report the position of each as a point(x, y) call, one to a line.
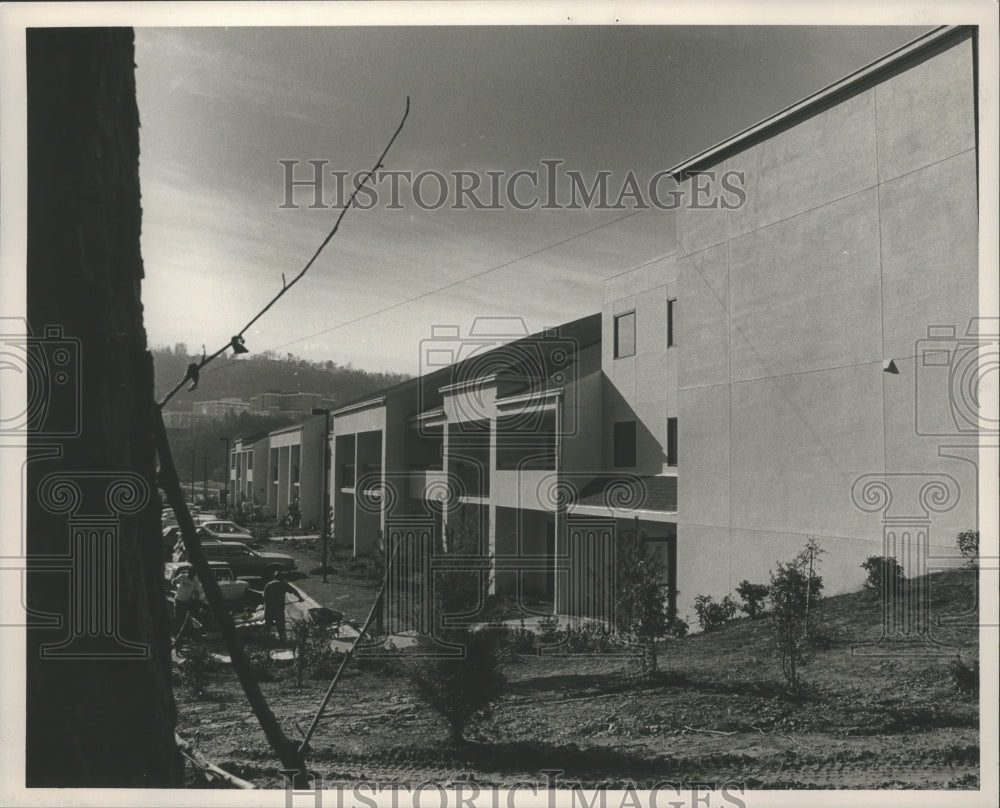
point(188, 592)
point(274, 602)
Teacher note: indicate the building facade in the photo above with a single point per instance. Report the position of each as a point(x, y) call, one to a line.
point(803, 376)
point(785, 372)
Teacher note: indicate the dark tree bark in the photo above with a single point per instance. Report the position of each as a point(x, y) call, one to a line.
point(100, 709)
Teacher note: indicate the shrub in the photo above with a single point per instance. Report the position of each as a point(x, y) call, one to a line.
point(677, 628)
point(796, 591)
point(381, 658)
point(753, 596)
point(314, 658)
point(968, 546)
point(591, 637)
point(194, 667)
point(964, 676)
point(457, 673)
point(885, 575)
point(713, 615)
point(549, 633)
point(261, 662)
point(513, 642)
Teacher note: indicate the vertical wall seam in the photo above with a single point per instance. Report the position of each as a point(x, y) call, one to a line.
point(881, 279)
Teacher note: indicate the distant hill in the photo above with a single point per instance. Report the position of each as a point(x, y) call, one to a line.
point(242, 378)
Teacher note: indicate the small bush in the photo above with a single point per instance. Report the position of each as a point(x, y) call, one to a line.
point(753, 596)
point(964, 676)
point(261, 662)
point(968, 546)
point(381, 659)
point(549, 632)
point(314, 658)
point(512, 643)
point(591, 638)
point(713, 615)
point(885, 575)
point(677, 628)
point(194, 667)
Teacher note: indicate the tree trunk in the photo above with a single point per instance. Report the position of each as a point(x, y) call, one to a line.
point(100, 708)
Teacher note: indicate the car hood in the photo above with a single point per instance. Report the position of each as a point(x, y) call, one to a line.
point(277, 556)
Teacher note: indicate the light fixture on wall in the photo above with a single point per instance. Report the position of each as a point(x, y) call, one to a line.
point(889, 366)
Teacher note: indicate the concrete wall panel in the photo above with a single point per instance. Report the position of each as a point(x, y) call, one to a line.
point(804, 294)
point(926, 113)
point(823, 158)
point(799, 442)
point(704, 460)
point(929, 252)
point(703, 325)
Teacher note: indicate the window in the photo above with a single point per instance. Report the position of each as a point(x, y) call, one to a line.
point(625, 335)
point(232, 460)
point(624, 444)
point(671, 441)
point(249, 460)
point(671, 315)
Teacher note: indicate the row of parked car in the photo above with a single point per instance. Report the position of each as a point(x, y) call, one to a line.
point(230, 558)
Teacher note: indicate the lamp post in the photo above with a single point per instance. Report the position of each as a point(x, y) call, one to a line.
point(224, 494)
point(192, 476)
point(204, 478)
point(325, 524)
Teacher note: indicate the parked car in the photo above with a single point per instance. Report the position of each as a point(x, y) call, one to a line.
point(232, 587)
point(172, 540)
point(245, 561)
point(226, 530)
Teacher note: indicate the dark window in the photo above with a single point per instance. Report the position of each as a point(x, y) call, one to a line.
point(624, 448)
point(671, 315)
point(250, 460)
point(671, 441)
point(232, 460)
point(625, 335)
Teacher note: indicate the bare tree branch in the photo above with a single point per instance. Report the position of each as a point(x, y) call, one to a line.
point(236, 343)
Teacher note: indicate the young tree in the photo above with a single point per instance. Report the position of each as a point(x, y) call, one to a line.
point(641, 602)
point(458, 673)
point(796, 590)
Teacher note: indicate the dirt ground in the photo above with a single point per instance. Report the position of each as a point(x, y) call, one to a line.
point(720, 712)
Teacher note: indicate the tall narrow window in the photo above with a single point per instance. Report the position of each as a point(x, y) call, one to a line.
point(671, 441)
point(671, 315)
point(624, 444)
point(625, 335)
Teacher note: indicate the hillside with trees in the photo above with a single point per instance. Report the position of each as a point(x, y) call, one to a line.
point(242, 378)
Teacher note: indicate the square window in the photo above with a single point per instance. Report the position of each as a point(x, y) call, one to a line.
point(624, 444)
point(625, 335)
point(671, 441)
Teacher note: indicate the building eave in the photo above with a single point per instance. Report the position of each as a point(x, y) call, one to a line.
point(848, 85)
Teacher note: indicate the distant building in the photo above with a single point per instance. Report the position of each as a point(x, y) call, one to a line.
point(293, 404)
point(220, 408)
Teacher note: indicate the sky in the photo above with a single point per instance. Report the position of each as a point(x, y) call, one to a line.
point(220, 107)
